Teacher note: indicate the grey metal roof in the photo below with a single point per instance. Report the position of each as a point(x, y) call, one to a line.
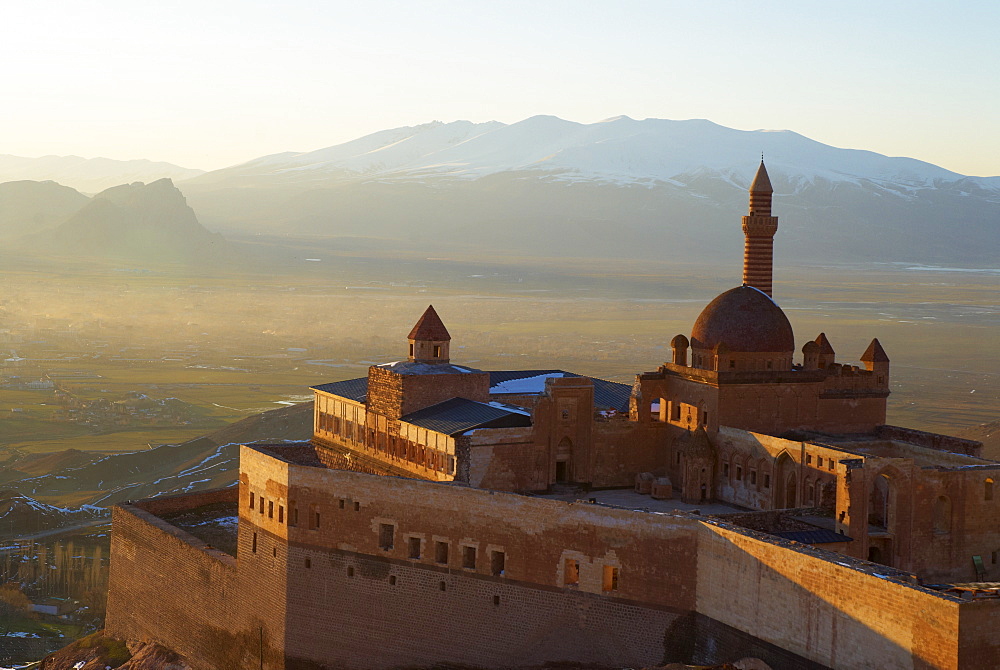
point(458, 415)
point(818, 536)
point(607, 395)
point(355, 389)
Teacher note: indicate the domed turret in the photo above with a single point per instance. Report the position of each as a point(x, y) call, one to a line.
point(742, 329)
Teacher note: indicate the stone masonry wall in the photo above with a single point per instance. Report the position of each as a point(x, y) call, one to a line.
point(168, 587)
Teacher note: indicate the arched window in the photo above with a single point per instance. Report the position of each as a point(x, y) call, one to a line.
point(880, 502)
point(988, 489)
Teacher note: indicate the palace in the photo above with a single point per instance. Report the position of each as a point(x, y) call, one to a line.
point(734, 503)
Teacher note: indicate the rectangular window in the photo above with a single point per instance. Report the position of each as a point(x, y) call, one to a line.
point(739, 473)
point(316, 521)
point(357, 507)
point(295, 515)
point(469, 558)
point(414, 543)
point(437, 351)
point(725, 469)
point(610, 582)
point(281, 514)
point(253, 546)
point(819, 461)
point(498, 561)
point(261, 506)
point(571, 572)
point(809, 459)
point(270, 509)
point(829, 464)
point(753, 477)
point(251, 499)
point(704, 418)
point(767, 481)
point(441, 552)
point(386, 536)
point(675, 411)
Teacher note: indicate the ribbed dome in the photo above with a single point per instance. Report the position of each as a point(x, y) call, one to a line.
point(745, 320)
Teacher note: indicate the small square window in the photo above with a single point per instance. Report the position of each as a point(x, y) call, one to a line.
point(809, 459)
point(342, 503)
point(357, 507)
point(469, 558)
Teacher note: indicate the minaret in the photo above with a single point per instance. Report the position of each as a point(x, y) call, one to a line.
point(429, 339)
point(759, 228)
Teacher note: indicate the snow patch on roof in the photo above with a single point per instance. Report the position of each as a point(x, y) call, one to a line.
point(526, 384)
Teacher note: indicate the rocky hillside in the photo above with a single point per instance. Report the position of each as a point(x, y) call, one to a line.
point(207, 462)
point(133, 222)
point(30, 206)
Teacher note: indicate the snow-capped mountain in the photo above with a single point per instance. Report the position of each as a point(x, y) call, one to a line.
point(619, 150)
point(620, 187)
point(89, 175)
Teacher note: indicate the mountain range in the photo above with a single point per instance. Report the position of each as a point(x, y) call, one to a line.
point(622, 187)
point(89, 175)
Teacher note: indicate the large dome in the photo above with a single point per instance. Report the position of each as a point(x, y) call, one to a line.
point(745, 320)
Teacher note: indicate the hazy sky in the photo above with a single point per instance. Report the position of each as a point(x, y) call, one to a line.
point(216, 82)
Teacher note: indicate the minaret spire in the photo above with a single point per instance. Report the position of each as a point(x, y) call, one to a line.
point(758, 229)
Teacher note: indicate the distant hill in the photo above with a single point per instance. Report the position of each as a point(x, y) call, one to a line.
point(89, 175)
point(135, 222)
point(989, 435)
point(207, 462)
point(30, 206)
point(21, 515)
point(622, 187)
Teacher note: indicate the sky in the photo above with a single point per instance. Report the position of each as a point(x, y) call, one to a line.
point(214, 83)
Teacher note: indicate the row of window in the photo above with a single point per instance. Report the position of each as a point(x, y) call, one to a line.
point(415, 550)
point(390, 445)
point(262, 505)
point(830, 463)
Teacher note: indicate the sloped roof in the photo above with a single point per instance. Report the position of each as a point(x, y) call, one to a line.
point(875, 353)
point(354, 389)
point(455, 416)
point(607, 394)
point(430, 327)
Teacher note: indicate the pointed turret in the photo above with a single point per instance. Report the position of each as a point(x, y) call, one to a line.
point(826, 355)
point(874, 353)
point(876, 360)
point(759, 228)
point(429, 339)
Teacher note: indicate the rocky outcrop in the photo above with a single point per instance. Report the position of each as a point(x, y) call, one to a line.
point(97, 652)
